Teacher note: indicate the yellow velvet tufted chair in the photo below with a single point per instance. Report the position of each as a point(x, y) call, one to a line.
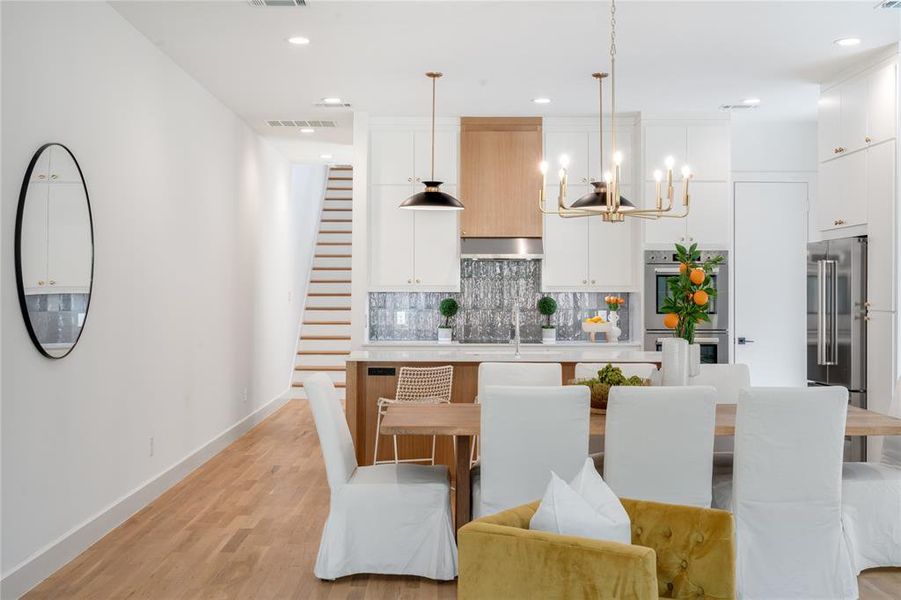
point(676, 552)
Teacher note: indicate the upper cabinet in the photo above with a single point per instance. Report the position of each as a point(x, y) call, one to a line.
point(858, 112)
point(583, 147)
point(412, 250)
point(499, 177)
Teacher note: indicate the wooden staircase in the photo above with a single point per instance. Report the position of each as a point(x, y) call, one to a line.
point(325, 331)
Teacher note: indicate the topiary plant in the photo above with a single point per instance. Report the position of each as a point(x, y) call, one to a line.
point(448, 309)
point(689, 292)
point(547, 306)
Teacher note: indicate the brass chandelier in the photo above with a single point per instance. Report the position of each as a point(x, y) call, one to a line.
point(605, 201)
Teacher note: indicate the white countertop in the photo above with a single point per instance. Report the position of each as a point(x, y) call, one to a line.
point(434, 352)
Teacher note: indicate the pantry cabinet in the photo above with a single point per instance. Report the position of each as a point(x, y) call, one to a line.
point(880, 200)
point(412, 250)
point(842, 192)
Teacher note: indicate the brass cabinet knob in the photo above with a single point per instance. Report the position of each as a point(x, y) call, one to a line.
point(838, 222)
point(867, 139)
point(418, 180)
point(40, 283)
point(593, 281)
point(418, 281)
point(410, 179)
point(52, 282)
point(42, 176)
point(409, 281)
point(584, 281)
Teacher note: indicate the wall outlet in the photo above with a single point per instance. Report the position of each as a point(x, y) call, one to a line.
point(151, 446)
point(401, 317)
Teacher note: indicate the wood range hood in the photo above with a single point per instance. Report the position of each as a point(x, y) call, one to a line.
point(499, 183)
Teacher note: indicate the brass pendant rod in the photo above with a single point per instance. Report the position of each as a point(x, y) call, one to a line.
point(433, 75)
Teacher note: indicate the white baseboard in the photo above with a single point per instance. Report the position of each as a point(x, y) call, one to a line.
point(61, 551)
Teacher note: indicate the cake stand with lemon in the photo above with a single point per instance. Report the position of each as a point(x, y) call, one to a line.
point(595, 325)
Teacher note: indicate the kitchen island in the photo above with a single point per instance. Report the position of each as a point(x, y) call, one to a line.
point(373, 373)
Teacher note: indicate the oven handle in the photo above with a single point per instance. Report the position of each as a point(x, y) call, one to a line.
point(675, 270)
point(697, 340)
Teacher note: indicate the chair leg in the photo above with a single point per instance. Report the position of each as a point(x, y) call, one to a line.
point(434, 438)
point(378, 433)
point(395, 448)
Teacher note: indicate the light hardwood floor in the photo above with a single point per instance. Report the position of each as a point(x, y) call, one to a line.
point(247, 525)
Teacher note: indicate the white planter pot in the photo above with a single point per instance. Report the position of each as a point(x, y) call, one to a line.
point(675, 361)
point(694, 360)
point(549, 336)
point(445, 335)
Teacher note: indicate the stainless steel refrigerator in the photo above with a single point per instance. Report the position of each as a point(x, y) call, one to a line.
point(836, 325)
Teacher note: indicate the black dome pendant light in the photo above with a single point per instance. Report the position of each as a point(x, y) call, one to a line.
point(432, 198)
point(597, 200)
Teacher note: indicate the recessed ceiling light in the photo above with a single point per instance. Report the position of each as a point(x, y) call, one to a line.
point(307, 130)
point(541, 100)
point(331, 100)
point(851, 41)
point(751, 101)
point(298, 40)
point(325, 156)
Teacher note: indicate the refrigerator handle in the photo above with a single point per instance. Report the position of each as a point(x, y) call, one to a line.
point(821, 312)
point(833, 325)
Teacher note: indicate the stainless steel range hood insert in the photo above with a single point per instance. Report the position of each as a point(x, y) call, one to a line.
point(510, 248)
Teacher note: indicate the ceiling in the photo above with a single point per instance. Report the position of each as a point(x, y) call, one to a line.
point(671, 56)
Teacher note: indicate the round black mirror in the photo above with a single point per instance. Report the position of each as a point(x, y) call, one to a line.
point(54, 250)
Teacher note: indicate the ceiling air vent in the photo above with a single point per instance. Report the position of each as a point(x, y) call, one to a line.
point(292, 123)
point(889, 4)
point(328, 105)
point(268, 3)
point(728, 107)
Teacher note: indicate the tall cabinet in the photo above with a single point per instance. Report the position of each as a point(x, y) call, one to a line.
point(858, 193)
point(412, 250)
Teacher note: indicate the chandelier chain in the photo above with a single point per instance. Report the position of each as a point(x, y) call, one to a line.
point(613, 77)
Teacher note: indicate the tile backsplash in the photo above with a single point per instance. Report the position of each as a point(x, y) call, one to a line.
point(57, 318)
point(489, 291)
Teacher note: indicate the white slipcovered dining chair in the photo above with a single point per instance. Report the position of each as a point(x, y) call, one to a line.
point(527, 432)
point(786, 494)
point(728, 380)
point(392, 519)
point(659, 444)
point(871, 504)
point(523, 374)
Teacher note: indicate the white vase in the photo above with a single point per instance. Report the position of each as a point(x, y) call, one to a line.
point(445, 335)
point(675, 361)
point(548, 335)
point(615, 331)
point(694, 360)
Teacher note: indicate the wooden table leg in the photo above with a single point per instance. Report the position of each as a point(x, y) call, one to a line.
point(463, 500)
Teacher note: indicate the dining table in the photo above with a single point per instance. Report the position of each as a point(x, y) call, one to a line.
point(462, 420)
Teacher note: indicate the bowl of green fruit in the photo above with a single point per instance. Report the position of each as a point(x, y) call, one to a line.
point(605, 379)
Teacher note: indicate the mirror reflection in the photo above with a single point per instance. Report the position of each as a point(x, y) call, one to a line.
point(54, 250)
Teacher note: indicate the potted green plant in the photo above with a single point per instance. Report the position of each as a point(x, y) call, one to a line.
point(689, 297)
point(448, 309)
point(547, 306)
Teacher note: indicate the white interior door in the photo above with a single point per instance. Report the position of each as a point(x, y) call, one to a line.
point(770, 281)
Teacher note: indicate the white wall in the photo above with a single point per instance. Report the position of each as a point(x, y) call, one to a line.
point(199, 275)
point(778, 146)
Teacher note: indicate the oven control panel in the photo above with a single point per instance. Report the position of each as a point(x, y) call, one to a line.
point(667, 257)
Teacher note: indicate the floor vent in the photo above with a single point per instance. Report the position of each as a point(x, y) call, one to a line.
point(728, 107)
point(293, 123)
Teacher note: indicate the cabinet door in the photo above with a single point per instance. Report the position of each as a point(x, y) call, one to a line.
point(708, 152)
point(882, 108)
point(41, 170)
point(62, 166)
point(829, 119)
point(34, 237)
point(611, 252)
point(854, 114)
point(565, 264)
point(853, 184)
point(709, 222)
point(829, 194)
point(69, 247)
point(390, 157)
point(573, 144)
point(391, 237)
point(447, 156)
point(436, 247)
point(623, 143)
point(880, 229)
point(880, 361)
point(663, 230)
point(662, 141)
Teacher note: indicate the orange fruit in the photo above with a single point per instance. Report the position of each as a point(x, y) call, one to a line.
point(701, 298)
point(671, 320)
point(697, 276)
point(683, 267)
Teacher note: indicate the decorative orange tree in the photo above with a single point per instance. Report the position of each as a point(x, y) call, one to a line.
point(689, 293)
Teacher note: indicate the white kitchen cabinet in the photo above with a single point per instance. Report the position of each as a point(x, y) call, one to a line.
point(573, 144)
point(62, 166)
point(882, 111)
point(565, 264)
point(842, 192)
point(69, 248)
point(612, 256)
point(623, 144)
point(708, 152)
point(880, 359)
point(436, 251)
point(34, 237)
point(662, 141)
point(880, 198)
point(854, 114)
point(391, 237)
point(829, 123)
point(447, 156)
point(708, 221)
point(41, 170)
point(391, 156)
